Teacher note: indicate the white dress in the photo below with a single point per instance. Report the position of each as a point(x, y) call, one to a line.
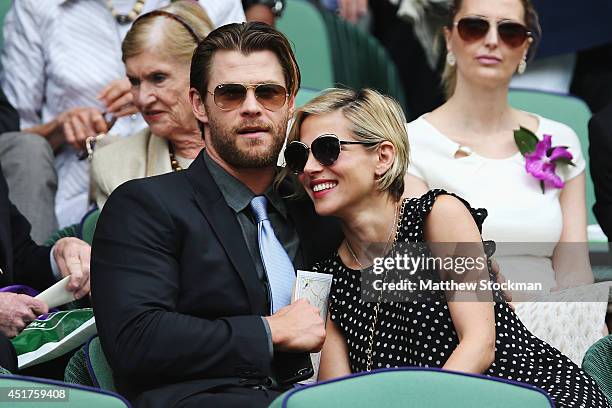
point(525, 224)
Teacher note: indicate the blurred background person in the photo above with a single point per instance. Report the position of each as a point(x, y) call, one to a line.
point(33, 185)
point(157, 54)
point(23, 262)
point(265, 11)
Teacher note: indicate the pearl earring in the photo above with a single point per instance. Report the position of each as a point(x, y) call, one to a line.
point(522, 66)
point(451, 59)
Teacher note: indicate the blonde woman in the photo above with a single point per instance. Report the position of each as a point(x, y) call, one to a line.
point(350, 151)
point(157, 55)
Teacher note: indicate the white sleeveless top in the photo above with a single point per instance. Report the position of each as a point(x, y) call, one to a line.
point(525, 223)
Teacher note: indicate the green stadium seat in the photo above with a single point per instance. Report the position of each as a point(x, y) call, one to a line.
point(303, 25)
point(76, 396)
point(597, 363)
point(90, 367)
point(360, 61)
point(304, 95)
point(69, 231)
point(415, 387)
point(88, 226)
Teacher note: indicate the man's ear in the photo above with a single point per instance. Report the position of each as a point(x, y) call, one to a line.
point(386, 158)
point(291, 104)
point(197, 106)
point(447, 38)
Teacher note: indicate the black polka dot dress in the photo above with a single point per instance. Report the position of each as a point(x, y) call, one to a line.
point(421, 333)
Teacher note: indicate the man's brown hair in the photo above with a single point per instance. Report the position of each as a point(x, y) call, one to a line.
point(245, 38)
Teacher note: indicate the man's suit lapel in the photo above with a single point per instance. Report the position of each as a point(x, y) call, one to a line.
point(223, 221)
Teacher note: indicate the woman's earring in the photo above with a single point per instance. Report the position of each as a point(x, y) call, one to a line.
point(451, 59)
point(522, 66)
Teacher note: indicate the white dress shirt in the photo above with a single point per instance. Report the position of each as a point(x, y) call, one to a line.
point(58, 57)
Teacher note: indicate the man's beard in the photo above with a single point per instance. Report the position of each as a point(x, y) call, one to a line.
point(225, 143)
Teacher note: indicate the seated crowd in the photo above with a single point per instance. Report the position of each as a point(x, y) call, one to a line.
point(175, 133)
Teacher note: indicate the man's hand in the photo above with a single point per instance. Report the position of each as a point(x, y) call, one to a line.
point(72, 256)
point(16, 311)
point(118, 98)
point(297, 327)
point(78, 124)
point(501, 279)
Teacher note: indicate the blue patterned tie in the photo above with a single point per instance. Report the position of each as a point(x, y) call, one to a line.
point(276, 262)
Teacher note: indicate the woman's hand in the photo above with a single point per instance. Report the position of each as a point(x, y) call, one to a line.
point(118, 98)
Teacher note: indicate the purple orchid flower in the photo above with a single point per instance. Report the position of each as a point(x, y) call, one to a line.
point(541, 163)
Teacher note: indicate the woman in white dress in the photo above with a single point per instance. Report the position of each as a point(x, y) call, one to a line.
point(467, 146)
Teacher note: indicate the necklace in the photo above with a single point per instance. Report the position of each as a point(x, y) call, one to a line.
point(173, 161)
point(394, 228)
point(125, 18)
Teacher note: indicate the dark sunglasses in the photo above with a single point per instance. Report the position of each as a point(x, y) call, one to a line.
point(231, 96)
point(325, 149)
point(475, 28)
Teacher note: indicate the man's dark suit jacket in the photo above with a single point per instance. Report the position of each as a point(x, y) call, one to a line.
point(22, 261)
point(600, 153)
point(177, 299)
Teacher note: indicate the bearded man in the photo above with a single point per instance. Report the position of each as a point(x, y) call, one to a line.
point(192, 271)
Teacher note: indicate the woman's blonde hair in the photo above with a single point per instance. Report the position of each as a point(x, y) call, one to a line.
point(174, 30)
point(449, 75)
point(373, 118)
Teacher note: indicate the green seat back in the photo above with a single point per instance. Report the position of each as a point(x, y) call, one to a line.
point(304, 95)
point(303, 25)
point(84, 230)
point(89, 367)
point(360, 61)
point(88, 226)
point(69, 231)
point(565, 109)
point(102, 371)
point(597, 363)
point(76, 371)
point(414, 387)
point(77, 396)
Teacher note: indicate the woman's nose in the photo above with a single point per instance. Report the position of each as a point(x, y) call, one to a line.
point(312, 165)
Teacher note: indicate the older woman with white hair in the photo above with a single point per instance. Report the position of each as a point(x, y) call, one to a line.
point(157, 54)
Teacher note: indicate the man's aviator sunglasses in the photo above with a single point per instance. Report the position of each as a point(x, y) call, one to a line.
point(230, 96)
point(325, 149)
point(472, 29)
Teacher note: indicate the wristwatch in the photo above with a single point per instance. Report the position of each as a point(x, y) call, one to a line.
point(276, 6)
